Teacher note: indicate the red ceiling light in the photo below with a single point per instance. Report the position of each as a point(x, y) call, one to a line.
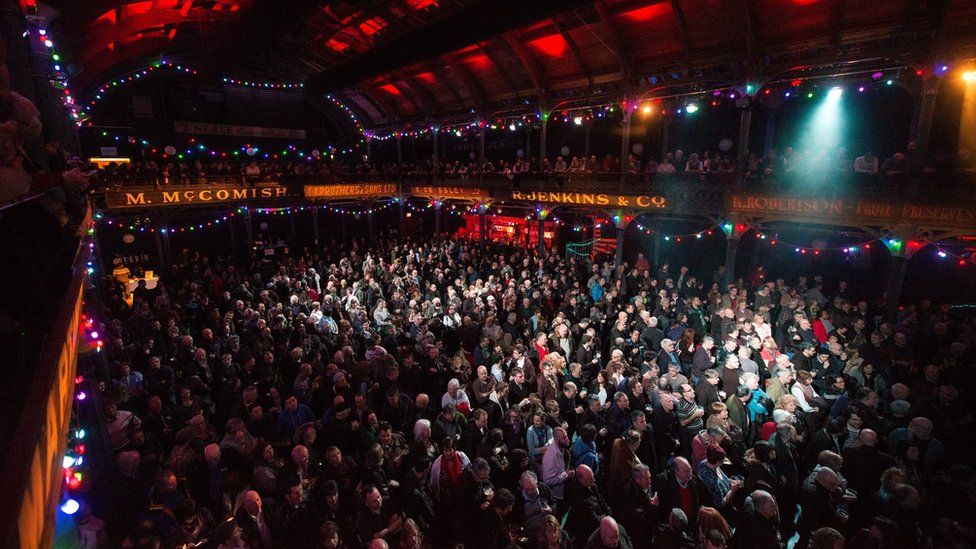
point(372, 25)
point(390, 89)
point(478, 62)
point(336, 45)
point(111, 16)
point(553, 45)
point(422, 4)
point(136, 8)
point(427, 77)
point(642, 15)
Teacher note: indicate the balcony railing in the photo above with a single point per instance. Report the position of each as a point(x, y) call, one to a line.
point(41, 293)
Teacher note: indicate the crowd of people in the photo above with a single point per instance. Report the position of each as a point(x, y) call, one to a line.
point(431, 393)
point(724, 166)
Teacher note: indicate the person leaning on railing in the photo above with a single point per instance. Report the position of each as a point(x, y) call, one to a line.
point(18, 173)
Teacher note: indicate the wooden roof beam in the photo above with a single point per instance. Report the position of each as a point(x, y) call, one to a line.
point(574, 49)
point(617, 43)
point(529, 64)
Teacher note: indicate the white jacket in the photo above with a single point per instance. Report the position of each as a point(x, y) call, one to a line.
point(435, 473)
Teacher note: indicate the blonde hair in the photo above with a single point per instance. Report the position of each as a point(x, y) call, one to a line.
point(784, 400)
point(550, 525)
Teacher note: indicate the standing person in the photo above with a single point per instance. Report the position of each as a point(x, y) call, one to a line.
point(758, 524)
point(445, 484)
point(679, 488)
point(556, 464)
point(637, 507)
point(665, 428)
point(623, 458)
point(721, 488)
point(689, 415)
point(586, 504)
point(786, 465)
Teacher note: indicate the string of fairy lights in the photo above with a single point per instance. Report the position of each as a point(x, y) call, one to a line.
point(76, 462)
point(162, 65)
point(894, 245)
point(193, 148)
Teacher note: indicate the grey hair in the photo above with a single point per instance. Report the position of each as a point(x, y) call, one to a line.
point(529, 474)
point(678, 516)
point(746, 376)
point(639, 469)
point(420, 426)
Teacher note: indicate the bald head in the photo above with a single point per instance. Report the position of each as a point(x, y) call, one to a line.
point(211, 453)
point(609, 532)
point(251, 502)
point(584, 475)
point(868, 438)
point(765, 503)
point(827, 478)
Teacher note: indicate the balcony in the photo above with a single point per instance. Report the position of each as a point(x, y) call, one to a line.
point(939, 201)
point(41, 284)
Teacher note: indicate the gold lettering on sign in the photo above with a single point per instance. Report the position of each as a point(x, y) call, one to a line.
point(591, 199)
point(349, 191)
point(789, 205)
point(874, 209)
point(192, 195)
point(462, 193)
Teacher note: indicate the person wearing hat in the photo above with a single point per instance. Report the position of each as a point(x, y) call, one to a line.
point(917, 437)
point(901, 412)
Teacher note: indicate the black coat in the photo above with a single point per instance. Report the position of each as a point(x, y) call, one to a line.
point(666, 486)
point(664, 426)
point(634, 510)
point(754, 531)
point(586, 508)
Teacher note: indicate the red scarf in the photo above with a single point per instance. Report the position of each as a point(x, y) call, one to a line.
point(452, 469)
point(542, 353)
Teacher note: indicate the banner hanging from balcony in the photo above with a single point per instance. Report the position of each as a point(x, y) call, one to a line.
point(237, 131)
point(341, 192)
point(652, 202)
point(446, 192)
point(194, 195)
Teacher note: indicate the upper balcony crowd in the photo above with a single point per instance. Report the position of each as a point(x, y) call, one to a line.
point(788, 164)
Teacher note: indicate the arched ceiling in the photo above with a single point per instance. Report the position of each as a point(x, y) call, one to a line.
point(396, 61)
